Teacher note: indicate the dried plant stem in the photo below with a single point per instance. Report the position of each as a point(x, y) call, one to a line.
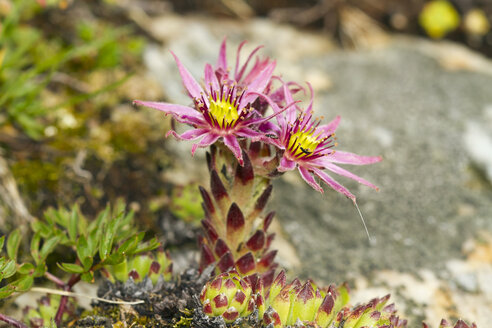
point(12, 321)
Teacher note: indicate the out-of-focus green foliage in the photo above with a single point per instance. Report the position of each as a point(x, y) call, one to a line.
point(92, 244)
point(29, 61)
point(55, 71)
point(186, 203)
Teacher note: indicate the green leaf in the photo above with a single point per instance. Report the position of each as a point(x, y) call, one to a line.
point(73, 223)
point(101, 220)
point(71, 268)
point(8, 269)
point(88, 277)
point(147, 246)
point(48, 247)
point(23, 284)
point(84, 253)
point(131, 244)
point(2, 241)
point(44, 229)
point(107, 241)
point(93, 243)
point(39, 270)
point(13, 244)
point(25, 268)
point(115, 258)
point(36, 239)
point(6, 291)
point(82, 247)
point(87, 262)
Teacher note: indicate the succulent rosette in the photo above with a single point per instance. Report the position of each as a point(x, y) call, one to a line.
point(308, 146)
point(294, 304)
point(229, 296)
point(223, 109)
point(152, 265)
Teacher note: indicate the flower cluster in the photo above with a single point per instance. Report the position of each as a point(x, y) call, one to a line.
point(230, 109)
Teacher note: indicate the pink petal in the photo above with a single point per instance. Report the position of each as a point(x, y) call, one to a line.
point(222, 60)
point(211, 78)
point(239, 75)
point(291, 114)
point(173, 109)
point(331, 127)
point(286, 165)
point(194, 89)
point(258, 66)
point(333, 184)
point(343, 157)
point(231, 142)
point(207, 140)
point(258, 84)
point(276, 112)
point(238, 52)
point(249, 133)
point(306, 175)
point(345, 173)
point(188, 135)
point(309, 108)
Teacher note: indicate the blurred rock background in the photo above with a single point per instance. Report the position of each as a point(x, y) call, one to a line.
point(411, 80)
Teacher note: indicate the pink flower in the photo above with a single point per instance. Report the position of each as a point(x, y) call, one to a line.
point(241, 77)
point(223, 109)
point(308, 146)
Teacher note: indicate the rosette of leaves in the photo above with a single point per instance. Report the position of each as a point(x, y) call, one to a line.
point(289, 304)
point(152, 265)
point(235, 232)
point(284, 305)
point(43, 315)
point(229, 296)
point(82, 247)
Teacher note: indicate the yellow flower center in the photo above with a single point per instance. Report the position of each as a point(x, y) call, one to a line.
point(305, 143)
point(223, 111)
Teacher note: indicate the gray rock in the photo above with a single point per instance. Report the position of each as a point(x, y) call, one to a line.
point(399, 103)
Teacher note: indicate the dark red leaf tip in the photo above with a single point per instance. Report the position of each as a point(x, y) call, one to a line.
point(257, 241)
point(217, 187)
point(221, 247)
point(235, 219)
point(207, 201)
point(246, 264)
point(245, 172)
point(263, 199)
point(226, 262)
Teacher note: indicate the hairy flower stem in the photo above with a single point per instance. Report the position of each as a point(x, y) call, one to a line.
point(12, 321)
point(75, 278)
